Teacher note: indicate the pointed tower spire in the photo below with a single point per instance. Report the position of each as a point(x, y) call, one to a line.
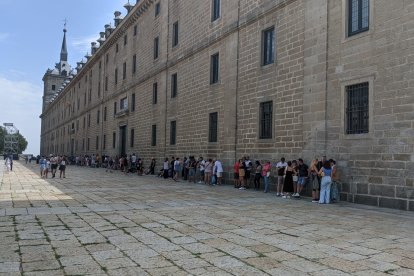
point(64, 50)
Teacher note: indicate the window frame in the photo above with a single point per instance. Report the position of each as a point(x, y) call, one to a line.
point(357, 108)
point(215, 10)
point(156, 47)
point(173, 133)
point(266, 123)
point(153, 135)
point(215, 68)
point(266, 57)
point(213, 127)
point(133, 102)
point(132, 138)
point(155, 93)
point(157, 9)
point(123, 104)
point(174, 85)
point(360, 29)
point(175, 34)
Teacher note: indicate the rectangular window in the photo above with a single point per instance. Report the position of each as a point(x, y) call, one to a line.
point(134, 64)
point(357, 111)
point(99, 89)
point(123, 105)
point(215, 10)
point(157, 9)
point(113, 140)
point(104, 142)
point(175, 34)
point(154, 135)
point(107, 58)
point(133, 102)
point(124, 71)
point(154, 92)
point(53, 87)
point(98, 115)
point(156, 47)
point(116, 75)
point(84, 124)
point(116, 48)
point(174, 85)
point(268, 46)
point(214, 68)
point(90, 95)
point(358, 16)
point(135, 30)
point(104, 115)
point(125, 39)
point(173, 126)
point(88, 144)
point(212, 129)
point(106, 83)
point(97, 143)
point(114, 109)
point(266, 110)
point(89, 120)
point(131, 140)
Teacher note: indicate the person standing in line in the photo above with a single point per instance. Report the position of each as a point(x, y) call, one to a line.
point(334, 185)
point(201, 167)
point(152, 166)
point(207, 172)
point(288, 181)
point(242, 174)
point(281, 168)
point(266, 174)
point(248, 169)
point(185, 168)
point(48, 167)
point(62, 166)
point(326, 179)
point(177, 169)
point(303, 177)
point(166, 167)
point(258, 175)
point(236, 180)
point(313, 175)
point(219, 171)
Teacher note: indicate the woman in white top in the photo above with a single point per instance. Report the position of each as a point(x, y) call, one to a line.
point(62, 167)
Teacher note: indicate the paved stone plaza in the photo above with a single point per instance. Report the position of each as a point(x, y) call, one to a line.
point(100, 223)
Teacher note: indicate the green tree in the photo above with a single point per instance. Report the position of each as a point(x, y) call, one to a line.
point(22, 143)
point(2, 133)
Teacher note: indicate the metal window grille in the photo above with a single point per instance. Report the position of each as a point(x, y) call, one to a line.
point(174, 85)
point(156, 47)
point(266, 110)
point(268, 47)
point(215, 14)
point(154, 93)
point(175, 34)
point(357, 111)
point(154, 135)
point(173, 125)
point(358, 16)
point(212, 130)
point(214, 68)
point(131, 140)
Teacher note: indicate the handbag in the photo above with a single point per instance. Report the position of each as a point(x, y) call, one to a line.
point(268, 174)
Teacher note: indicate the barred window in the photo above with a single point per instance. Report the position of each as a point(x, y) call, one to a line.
point(154, 93)
point(173, 126)
point(154, 135)
point(268, 46)
point(214, 68)
point(358, 16)
point(215, 10)
point(131, 140)
point(174, 85)
point(212, 129)
point(266, 110)
point(156, 47)
point(175, 34)
point(357, 111)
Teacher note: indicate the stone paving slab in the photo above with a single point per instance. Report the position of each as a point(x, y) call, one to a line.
point(97, 223)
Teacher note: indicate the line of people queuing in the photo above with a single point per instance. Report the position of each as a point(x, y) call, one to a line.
point(52, 164)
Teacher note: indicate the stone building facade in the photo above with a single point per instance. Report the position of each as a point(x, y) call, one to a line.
point(270, 78)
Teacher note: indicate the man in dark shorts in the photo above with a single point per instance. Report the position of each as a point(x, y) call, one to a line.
point(53, 164)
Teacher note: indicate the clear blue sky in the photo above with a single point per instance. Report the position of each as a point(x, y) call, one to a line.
point(30, 41)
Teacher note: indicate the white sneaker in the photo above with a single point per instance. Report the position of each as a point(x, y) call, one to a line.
point(278, 194)
point(199, 182)
point(242, 188)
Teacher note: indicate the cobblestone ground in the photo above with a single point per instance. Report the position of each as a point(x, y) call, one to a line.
point(98, 223)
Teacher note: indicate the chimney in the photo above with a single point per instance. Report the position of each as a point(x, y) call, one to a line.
point(94, 48)
point(117, 18)
point(101, 39)
point(128, 6)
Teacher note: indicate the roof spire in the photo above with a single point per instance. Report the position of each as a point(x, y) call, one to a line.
point(64, 50)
